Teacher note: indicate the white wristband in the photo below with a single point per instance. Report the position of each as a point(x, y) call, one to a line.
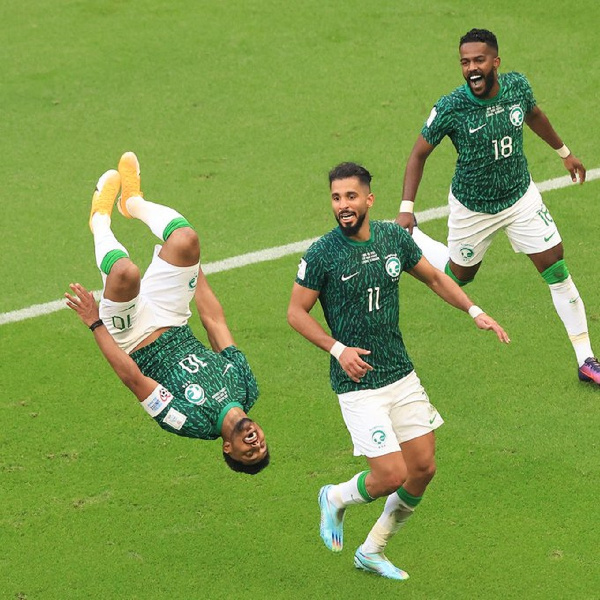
point(475, 311)
point(407, 206)
point(337, 349)
point(563, 152)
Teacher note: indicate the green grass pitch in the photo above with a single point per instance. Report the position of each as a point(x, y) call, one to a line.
point(237, 110)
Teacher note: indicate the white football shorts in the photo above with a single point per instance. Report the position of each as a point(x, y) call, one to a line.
point(527, 223)
point(380, 420)
point(164, 301)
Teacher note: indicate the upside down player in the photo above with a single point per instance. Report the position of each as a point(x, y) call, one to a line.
point(141, 327)
point(492, 188)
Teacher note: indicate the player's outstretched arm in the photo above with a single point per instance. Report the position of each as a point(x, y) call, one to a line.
point(212, 315)
point(539, 123)
point(83, 303)
point(301, 303)
point(449, 291)
point(412, 178)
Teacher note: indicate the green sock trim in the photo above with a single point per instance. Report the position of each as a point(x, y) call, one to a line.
point(110, 259)
point(407, 498)
point(362, 486)
point(176, 223)
point(454, 278)
point(556, 273)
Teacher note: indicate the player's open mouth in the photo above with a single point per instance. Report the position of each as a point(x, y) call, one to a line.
point(476, 81)
point(346, 217)
point(251, 437)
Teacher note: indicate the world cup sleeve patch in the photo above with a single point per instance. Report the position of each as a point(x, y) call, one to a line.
point(175, 419)
point(301, 269)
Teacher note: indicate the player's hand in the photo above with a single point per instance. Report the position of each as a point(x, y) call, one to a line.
point(406, 220)
point(352, 363)
point(575, 167)
point(83, 303)
point(486, 322)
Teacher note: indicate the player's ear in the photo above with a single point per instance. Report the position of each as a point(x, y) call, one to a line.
point(226, 447)
point(370, 200)
point(496, 62)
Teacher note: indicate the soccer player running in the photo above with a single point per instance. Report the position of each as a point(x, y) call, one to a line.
point(141, 327)
point(492, 188)
point(354, 271)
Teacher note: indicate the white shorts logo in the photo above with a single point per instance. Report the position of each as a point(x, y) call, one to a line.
point(378, 436)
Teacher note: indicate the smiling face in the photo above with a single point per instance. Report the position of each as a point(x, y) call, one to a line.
point(350, 201)
point(247, 444)
point(479, 63)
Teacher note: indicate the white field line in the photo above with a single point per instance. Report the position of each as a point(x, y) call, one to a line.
point(259, 256)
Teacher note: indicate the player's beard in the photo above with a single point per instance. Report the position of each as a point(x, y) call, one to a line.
point(241, 425)
point(351, 230)
point(490, 80)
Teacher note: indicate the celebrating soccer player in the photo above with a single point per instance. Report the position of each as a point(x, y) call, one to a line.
point(141, 327)
point(354, 271)
point(492, 188)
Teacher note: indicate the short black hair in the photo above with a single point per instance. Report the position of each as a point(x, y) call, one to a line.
point(240, 467)
point(346, 170)
point(480, 35)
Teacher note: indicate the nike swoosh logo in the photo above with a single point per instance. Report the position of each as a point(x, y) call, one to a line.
point(471, 130)
point(547, 238)
point(573, 300)
point(227, 368)
point(346, 277)
point(432, 420)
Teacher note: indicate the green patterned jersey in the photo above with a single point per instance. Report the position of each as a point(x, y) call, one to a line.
point(205, 385)
point(358, 290)
point(491, 170)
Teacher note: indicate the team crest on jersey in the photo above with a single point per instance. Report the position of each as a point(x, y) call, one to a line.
point(378, 436)
point(467, 251)
point(392, 266)
point(516, 116)
point(194, 393)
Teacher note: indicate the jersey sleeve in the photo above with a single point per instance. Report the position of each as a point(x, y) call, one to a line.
point(438, 124)
point(527, 92)
point(411, 253)
point(311, 272)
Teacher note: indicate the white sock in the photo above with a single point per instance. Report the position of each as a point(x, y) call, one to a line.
point(105, 241)
point(395, 514)
point(156, 216)
point(435, 252)
point(346, 494)
point(571, 310)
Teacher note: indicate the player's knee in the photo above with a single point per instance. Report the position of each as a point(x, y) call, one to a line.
point(185, 239)
point(124, 272)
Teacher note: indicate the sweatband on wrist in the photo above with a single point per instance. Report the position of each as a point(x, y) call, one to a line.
point(563, 151)
point(475, 311)
point(337, 349)
point(156, 402)
point(96, 324)
point(407, 206)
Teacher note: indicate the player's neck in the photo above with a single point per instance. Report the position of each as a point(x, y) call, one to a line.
point(233, 415)
point(364, 233)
